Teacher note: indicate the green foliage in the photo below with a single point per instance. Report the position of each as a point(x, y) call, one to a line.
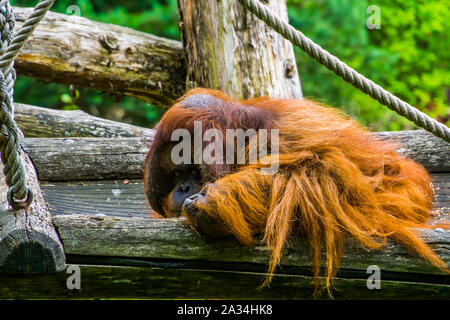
point(422, 45)
point(408, 56)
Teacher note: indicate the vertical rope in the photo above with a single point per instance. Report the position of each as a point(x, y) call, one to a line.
point(22, 35)
point(9, 133)
point(19, 194)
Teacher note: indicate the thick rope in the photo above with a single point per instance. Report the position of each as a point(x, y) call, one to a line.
point(10, 135)
point(345, 72)
point(27, 29)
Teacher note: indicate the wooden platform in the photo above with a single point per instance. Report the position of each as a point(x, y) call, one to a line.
point(105, 228)
point(123, 198)
point(111, 219)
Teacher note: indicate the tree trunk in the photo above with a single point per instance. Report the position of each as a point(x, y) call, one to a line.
point(229, 49)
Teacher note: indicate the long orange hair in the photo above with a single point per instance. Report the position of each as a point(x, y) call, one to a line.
point(334, 179)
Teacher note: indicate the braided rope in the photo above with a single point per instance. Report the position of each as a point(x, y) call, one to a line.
point(27, 29)
point(10, 134)
point(345, 72)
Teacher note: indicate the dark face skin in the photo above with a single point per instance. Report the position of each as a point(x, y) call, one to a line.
point(168, 185)
point(187, 183)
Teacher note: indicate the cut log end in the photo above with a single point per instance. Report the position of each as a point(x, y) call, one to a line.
point(30, 252)
point(28, 241)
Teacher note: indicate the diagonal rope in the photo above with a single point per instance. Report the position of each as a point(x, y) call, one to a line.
point(345, 72)
point(10, 135)
point(27, 29)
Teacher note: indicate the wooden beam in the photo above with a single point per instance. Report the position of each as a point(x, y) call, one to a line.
point(125, 198)
point(115, 236)
point(28, 240)
point(37, 122)
point(111, 218)
point(432, 152)
point(235, 52)
point(115, 229)
point(123, 158)
point(118, 60)
point(58, 159)
point(113, 282)
point(34, 121)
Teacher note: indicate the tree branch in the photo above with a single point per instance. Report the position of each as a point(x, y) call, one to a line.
point(117, 60)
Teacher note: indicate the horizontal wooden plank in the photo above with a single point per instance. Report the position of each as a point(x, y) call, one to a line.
point(107, 197)
point(114, 59)
point(37, 122)
point(116, 236)
point(432, 152)
point(59, 159)
point(111, 218)
point(126, 198)
point(111, 282)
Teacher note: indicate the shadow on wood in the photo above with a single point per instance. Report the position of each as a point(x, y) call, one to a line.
point(109, 282)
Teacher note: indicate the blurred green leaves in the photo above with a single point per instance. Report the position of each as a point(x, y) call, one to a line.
point(408, 56)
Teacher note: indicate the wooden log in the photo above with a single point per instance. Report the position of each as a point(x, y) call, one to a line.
point(118, 60)
point(126, 198)
point(59, 159)
point(43, 122)
point(28, 240)
point(432, 152)
point(102, 235)
point(113, 282)
point(236, 52)
point(47, 123)
point(105, 234)
point(97, 197)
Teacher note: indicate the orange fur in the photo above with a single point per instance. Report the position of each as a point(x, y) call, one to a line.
point(334, 179)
